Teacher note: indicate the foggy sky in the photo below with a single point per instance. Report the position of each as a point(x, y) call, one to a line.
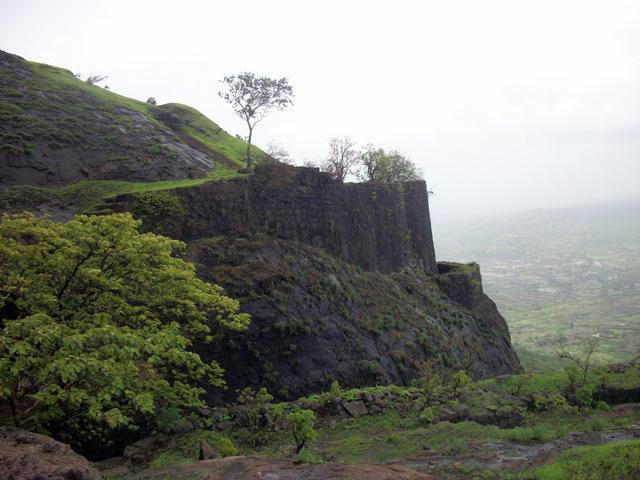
point(505, 105)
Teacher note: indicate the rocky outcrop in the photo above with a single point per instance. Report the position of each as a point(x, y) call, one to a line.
point(28, 456)
point(378, 227)
point(316, 318)
point(56, 129)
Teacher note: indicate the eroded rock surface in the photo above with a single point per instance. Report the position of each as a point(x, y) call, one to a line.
point(251, 468)
point(316, 319)
point(30, 456)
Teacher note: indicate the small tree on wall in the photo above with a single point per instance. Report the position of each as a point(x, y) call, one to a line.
point(252, 98)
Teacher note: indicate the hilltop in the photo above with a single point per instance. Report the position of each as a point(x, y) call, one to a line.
point(56, 129)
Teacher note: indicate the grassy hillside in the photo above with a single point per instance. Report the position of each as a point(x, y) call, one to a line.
point(59, 131)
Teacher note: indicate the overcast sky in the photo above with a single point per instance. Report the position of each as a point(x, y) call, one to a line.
point(506, 105)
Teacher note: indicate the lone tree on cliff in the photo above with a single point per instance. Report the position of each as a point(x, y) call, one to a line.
point(252, 98)
point(381, 167)
point(342, 158)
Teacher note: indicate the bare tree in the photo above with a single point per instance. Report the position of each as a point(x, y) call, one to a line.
point(93, 79)
point(583, 362)
point(252, 98)
point(278, 152)
point(342, 159)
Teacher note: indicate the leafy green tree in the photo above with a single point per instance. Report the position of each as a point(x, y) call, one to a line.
point(378, 166)
point(302, 427)
point(96, 322)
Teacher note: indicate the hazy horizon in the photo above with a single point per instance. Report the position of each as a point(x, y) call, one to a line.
point(506, 106)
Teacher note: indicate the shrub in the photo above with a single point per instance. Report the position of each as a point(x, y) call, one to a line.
point(597, 424)
point(549, 403)
point(92, 306)
point(302, 427)
point(584, 396)
point(427, 416)
point(515, 384)
point(159, 212)
point(458, 383)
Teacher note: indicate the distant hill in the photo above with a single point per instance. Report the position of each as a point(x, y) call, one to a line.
point(558, 276)
point(56, 129)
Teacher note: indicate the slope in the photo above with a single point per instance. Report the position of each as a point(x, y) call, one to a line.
point(56, 130)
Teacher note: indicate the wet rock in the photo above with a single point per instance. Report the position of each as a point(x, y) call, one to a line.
point(616, 395)
point(355, 409)
point(183, 426)
point(207, 452)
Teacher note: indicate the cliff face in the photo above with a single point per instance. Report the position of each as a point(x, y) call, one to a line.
point(340, 280)
point(316, 318)
point(378, 227)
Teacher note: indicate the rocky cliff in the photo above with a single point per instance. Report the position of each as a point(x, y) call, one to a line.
point(317, 318)
point(378, 227)
point(341, 282)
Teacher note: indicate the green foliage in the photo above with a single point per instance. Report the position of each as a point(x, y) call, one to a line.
point(160, 212)
point(573, 376)
point(549, 403)
point(427, 415)
point(169, 459)
point(302, 423)
point(617, 460)
point(89, 194)
point(308, 457)
point(459, 382)
point(387, 167)
point(539, 433)
point(584, 396)
point(97, 321)
point(431, 383)
point(515, 383)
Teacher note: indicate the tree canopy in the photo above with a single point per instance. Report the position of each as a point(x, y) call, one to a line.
point(379, 166)
point(252, 98)
point(96, 321)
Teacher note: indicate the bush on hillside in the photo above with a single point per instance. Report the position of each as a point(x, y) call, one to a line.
point(96, 321)
point(159, 212)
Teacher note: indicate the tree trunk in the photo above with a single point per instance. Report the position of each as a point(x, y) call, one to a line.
point(249, 148)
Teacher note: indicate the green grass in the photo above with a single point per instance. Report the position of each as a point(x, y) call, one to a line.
point(615, 461)
point(169, 459)
point(186, 121)
point(47, 106)
point(90, 193)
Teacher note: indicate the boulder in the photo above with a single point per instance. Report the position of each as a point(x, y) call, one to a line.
point(26, 456)
point(183, 426)
point(207, 452)
point(355, 409)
